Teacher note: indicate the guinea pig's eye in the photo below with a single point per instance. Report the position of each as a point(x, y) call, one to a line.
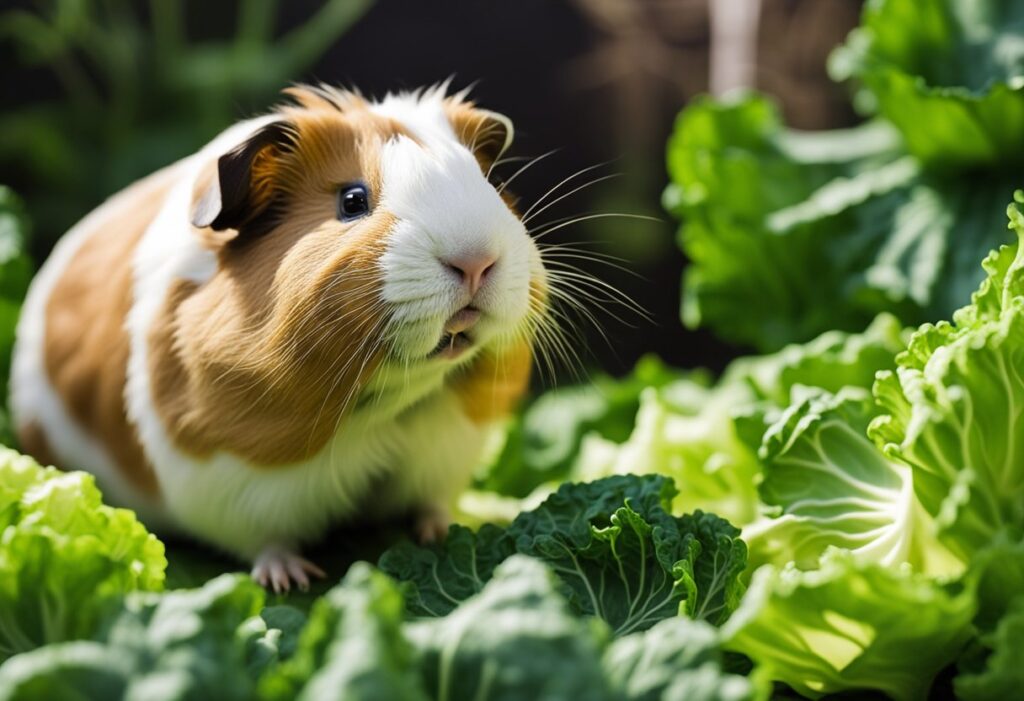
point(353, 202)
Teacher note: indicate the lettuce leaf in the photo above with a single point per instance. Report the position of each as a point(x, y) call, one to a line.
point(185, 644)
point(953, 410)
point(948, 74)
point(790, 234)
point(542, 443)
point(65, 557)
point(706, 438)
point(685, 431)
point(826, 484)
point(619, 553)
point(851, 625)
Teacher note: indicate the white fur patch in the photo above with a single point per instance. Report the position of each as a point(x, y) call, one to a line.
point(447, 211)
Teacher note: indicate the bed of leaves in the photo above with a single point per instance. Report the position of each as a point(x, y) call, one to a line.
point(841, 515)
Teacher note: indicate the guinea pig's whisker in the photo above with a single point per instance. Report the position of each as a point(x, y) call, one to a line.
point(541, 232)
point(578, 188)
point(585, 315)
point(596, 290)
point(553, 337)
point(559, 257)
point(501, 188)
point(533, 211)
point(503, 161)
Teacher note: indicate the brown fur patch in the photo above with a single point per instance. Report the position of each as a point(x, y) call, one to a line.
point(33, 442)
point(483, 134)
point(86, 342)
point(493, 383)
point(264, 359)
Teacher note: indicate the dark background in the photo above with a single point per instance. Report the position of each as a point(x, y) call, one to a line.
point(93, 98)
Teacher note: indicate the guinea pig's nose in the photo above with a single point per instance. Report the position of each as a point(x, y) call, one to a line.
point(472, 269)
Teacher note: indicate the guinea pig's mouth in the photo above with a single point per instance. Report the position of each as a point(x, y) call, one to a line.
point(456, 339)
point(451, 346)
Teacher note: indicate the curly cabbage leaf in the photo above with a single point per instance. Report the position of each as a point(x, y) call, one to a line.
point(677, 660)
point(826, 484)
point(791, 234)
point(619, 553)
point(850, 625)
point(954, 410)
point(948, 74)
point(186, 644)
point(351, 648)
point(516, 639)
point(65, 557)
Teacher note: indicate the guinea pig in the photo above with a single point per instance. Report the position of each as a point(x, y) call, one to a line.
point(318, 317)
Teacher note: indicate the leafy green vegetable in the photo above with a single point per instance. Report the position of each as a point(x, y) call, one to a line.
point(685, 430)
point(791, 234)
point(998, 571)
point(543, 442)
point(516, 639)
point(186, 644)
point(352, 647)
point(65, 558)
point(1001, 675)
point(15, 273)
point(442, 577)
point(831, 361)
point(953, 410)
point(826, 484)
point(948, 74)
point(619, 553)
point(706, 438)
point(850, 625)
point(677, 660)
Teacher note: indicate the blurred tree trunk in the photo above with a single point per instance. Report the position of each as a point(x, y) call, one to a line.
point(733, 62)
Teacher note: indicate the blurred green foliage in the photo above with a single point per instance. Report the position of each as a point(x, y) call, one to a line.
point(136, 92)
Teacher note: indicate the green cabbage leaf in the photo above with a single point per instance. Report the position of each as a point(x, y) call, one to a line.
point(826, 484)
point(953, 410)
point(790, 234)
point(851, 625)
point(618, 551)
point(949, 74)
point(186, 644)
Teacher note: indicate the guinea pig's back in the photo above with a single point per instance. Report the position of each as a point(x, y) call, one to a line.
point(71, 351)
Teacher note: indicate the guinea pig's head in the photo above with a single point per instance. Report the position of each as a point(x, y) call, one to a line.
point(370, 230)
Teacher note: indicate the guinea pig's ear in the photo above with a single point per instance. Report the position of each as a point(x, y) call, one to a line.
point(487, 134)
point(229, 196)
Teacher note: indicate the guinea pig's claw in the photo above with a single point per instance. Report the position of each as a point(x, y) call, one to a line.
point(275, 568)
point(432, 525)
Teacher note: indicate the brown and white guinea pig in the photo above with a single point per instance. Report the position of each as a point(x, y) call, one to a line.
point(317, 317)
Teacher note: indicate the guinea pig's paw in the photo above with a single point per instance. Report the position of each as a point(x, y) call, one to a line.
point(432, 524)
point(275, 568)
